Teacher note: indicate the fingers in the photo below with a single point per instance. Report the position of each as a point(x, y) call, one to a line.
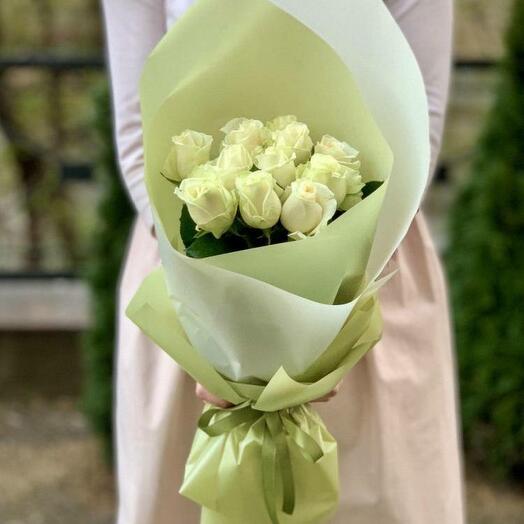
point(205, 396)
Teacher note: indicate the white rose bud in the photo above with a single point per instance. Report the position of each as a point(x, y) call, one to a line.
point(280, 163)
point(308, 208)
point(232, 161)
point(252, 134)
point(234, 158)
point(351, 200)
point(326, 170)
point(211, 206)
point(295, 136)
point(341, 151)
point(342, 180)
point(210, 170)
point(354, 181)
point(281, 122)
point(189, 150)
point(259, 204)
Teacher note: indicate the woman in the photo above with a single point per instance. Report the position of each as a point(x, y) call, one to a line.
point(395, 415)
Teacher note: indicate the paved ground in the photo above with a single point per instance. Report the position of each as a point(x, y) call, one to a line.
point(50, 467)
point(51, 472)
point(489, 505)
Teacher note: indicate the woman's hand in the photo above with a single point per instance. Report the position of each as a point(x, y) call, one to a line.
point(205, 396)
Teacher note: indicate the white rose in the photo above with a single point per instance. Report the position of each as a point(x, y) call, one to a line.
point(300, 170)
point(211, 206)
point(259, 203)
point(232, 161)
point(295, 136)
point(210, 170)
point(341, 179)
point(326, 170)
point(280, 163)
point(189, 150)
point(281, 122)
point(252, 134)
point(354, 181)
point(351, 200)
point(341, 151)
point(234, 158)
point(287, 190)
point(308, 208)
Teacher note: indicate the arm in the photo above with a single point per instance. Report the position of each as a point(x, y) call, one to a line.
point(133, 28)
point(428, 25)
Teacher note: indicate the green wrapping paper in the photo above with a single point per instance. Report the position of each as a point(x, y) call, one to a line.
point(233, 462)
point(228, 471)
point(271, 329)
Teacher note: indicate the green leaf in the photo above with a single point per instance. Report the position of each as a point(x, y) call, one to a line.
point(188, 230)
point(278, 234)
point(371, 187)
point(247, 237)
point(172, 182)
point(209, 246)
point(338, 213)
point(239, 228)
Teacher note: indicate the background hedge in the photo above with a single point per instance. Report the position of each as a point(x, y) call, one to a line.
point(486, 263)
point(109, 244)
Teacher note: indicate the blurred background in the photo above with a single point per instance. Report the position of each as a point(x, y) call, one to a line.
point(64, 220)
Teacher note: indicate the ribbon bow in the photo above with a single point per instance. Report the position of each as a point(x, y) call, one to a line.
point(279, 427)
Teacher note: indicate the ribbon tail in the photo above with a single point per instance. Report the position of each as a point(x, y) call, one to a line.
point(279, 436)
point(268, 474)
point(288, 482)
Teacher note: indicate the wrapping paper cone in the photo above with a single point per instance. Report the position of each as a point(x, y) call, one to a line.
point(272, 328)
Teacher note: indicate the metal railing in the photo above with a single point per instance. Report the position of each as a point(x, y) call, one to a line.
point(61, 64)
point(31, 158)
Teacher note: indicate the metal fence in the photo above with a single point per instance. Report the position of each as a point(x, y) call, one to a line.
point(39, 167)
point(45, 169)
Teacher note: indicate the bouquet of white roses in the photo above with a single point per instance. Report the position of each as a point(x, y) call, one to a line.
point(268, 184)
point(262, 322)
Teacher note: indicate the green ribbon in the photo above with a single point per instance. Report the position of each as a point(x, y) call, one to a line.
point(279, 427)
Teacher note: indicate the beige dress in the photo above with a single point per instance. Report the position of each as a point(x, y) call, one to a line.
point(396, 416)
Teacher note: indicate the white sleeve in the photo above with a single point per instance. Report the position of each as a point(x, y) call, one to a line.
point(133, 28)
point(428, 27)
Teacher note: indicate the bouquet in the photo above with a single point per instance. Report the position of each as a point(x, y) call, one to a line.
point(273, 244)
point(265, 186)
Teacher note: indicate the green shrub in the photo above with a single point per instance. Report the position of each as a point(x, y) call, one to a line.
point(485, 264)
point(108, 247)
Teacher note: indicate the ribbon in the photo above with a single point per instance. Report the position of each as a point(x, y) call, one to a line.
point(279, 427)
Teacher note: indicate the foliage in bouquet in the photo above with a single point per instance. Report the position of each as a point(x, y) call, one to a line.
point(268, 184)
